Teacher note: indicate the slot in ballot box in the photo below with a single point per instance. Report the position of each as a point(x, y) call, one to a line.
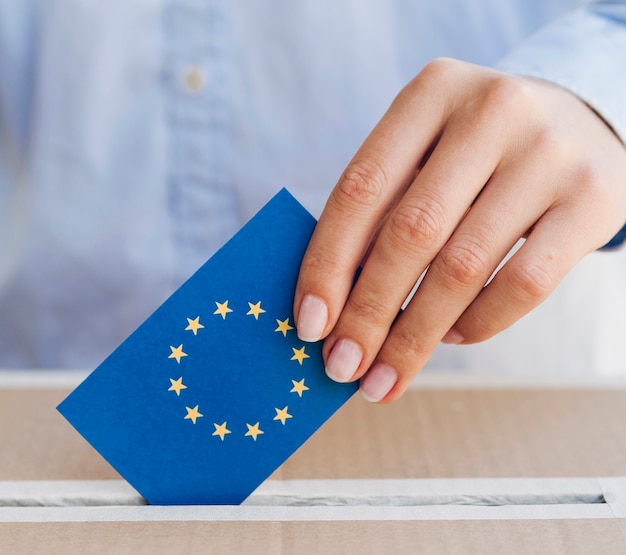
point(459, 465)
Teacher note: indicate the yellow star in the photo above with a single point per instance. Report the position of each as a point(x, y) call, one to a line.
point(299, 355)
point(193, 414)
point(299, 387)
point(194, 325)
point(282, 415)
point(221, 430)
point(177, 385)
point(254, 431)
point(177, 353)
point(283, 325)
point(222, 309)
point(255, 310)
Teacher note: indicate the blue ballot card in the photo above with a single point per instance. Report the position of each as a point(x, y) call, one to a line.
point(214, 390)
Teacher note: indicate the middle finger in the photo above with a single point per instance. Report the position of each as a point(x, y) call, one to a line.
point(424, 218)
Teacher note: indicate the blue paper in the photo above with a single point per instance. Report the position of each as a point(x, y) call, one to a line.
point(214, 391)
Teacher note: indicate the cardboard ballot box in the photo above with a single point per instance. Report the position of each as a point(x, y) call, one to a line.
point(459, 465)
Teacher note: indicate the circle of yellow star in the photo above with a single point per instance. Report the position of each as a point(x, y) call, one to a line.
point(254, 431)
point(221, 430)
point(194, 325)
point(222, 309)
point(282, 415)
point(283, 326)
point(177, 385)
point(193, 414)
point(298, 387)
point(299, 354)
point(177, 353)
point(255, 310)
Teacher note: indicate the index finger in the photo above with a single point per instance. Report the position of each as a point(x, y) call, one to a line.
point(379, 172)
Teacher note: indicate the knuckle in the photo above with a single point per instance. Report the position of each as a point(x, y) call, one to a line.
point(322, 263)
point(436, 75)
point(478, 323)
point(419, 223)
point(532, 279)
point(465, 262)
point(590, 196)
point(504, 102)
point(362, 185)
point(586, 177)
point(587, 174)
point(481, 328)
point(407, 342)
point(368, 309)
point(507, 94)
point(554, 147)
point(440, 69)
point(440, 74)
point(515, 102)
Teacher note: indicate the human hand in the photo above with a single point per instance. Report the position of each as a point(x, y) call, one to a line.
point(465, 162)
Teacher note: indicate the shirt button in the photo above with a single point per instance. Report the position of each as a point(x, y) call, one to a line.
point(194, 80)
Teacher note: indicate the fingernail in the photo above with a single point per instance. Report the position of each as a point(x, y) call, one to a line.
point(378, 381)
point(343, 360)
point(312, 318)
point(453, 337)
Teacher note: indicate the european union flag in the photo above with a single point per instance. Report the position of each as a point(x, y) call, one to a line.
point(214, 390)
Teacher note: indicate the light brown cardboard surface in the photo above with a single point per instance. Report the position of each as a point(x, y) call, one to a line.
point(428, 434)
point(558, 537)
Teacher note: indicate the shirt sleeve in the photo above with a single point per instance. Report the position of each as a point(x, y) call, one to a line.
point(584, 52)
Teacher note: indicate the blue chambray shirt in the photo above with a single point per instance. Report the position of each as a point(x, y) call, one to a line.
point(136, 137)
